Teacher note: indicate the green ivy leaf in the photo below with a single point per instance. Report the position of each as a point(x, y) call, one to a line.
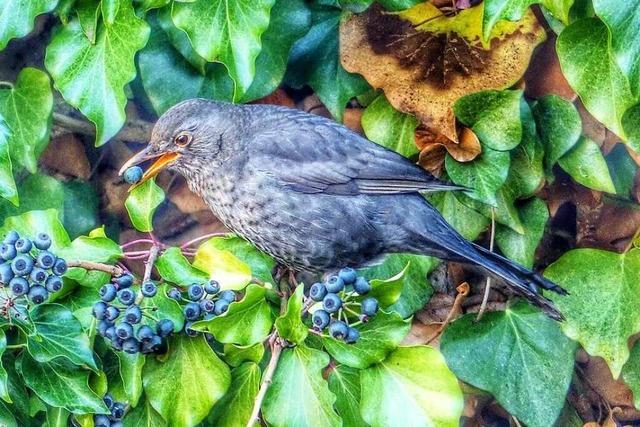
point(142, 204)
point(34, 222)
point(95, 247)
point(522, 247)
point(300, 368)
point(17, 16)
point(30, 98)
point(233, 262)
point(185, 385)
point(485, 174)
point(289, 325)
point(586, 164)
point(513, 10)
point(526, 172)
point(290, 20)
point(80, 207)
point(234, 409)
point(246, 322)
point(228, 32)
point(6, 417)
point(130, 368)
point(236, 355)
point(58, 334)
point(88, 12)
point(4, 377)
point(411, 387)
point(623, 22)
point(467, 221)
point(560, 127)
point(144, 415)
point(631, 126)
point(603, 289)
point(315, 60)
point(8, 188)
point(60, 383)
point(179, 80)
point(92, 76)
point(534, 358)
point(389, 127)
point(164, 308)
point(403, 274)
point(175, 268)
point(588, 66)
point(622, 169)
point(494, 116)
point(378, 337)
point(344, 382)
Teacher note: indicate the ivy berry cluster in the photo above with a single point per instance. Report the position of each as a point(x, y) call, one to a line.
point(29, 270)
point(339, 296)
point(124, 323)
point(203, 302)
point(114, 419)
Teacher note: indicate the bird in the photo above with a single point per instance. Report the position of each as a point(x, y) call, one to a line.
point(313, 194)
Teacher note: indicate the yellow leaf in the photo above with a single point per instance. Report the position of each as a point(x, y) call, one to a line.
point(222, 266)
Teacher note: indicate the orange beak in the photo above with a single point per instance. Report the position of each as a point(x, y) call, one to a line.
point(162, 160)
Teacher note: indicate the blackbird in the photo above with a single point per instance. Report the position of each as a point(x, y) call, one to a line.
point(313, 194)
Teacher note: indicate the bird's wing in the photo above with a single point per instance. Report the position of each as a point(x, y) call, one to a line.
point(311, 154)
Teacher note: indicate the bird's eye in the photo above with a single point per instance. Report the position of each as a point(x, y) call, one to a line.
point(182, 139)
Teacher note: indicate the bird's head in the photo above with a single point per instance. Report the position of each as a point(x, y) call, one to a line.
point(187, 137)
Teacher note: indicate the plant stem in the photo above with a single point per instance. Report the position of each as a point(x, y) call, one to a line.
point(16, 346)
point(487, 285)
point(113, 270)
point(276, 351)
point(136, 242)
point(201, 238)
point(148, 268)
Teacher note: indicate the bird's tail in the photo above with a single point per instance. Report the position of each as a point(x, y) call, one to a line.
point(519, 279)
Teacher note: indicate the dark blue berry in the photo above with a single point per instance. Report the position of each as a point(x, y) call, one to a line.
point(38, 275)
point(116, 342)
point(42, 241)
point(207, 305)
point(145, 333)
point(332, 303)
point(191, 311)
point(133, 314)
point(352, 336)
point(221, 306)
point(99, 310)
point(195, 292)
point(190, 332)
point(369, 306)
point(8, 251)
point(110, 332)
point(164, 327)
point(60, 267)
point(107, 292)
point(6, 273)
point(174, 293)
point(53, 283)
point(117, 412)
point(19, 286)
point(37, 294)
point(103, 325)
point(317, 291)
point(124, 281)
point(156, 342)
point(23, 245)
point(45, 259)
point(124, 330)
point(126, 296)
point(334, 284)
point(133, 174)
point(111, 313)
point(100, 420)
point(11, 237)
point(131, 345)
point(108, 400)
point(348, 275)
point(22, 265)
point(149, 289)
point(362, 285)
point(320, 319)
point(228, 295)
point(338, 330)
point(212, 287)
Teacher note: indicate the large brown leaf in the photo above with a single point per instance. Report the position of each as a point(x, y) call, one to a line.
point(426, 61)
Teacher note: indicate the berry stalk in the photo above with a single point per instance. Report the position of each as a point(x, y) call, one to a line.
point(277, 345)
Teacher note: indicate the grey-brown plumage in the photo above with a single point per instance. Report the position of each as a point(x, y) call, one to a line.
point(315, 195)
